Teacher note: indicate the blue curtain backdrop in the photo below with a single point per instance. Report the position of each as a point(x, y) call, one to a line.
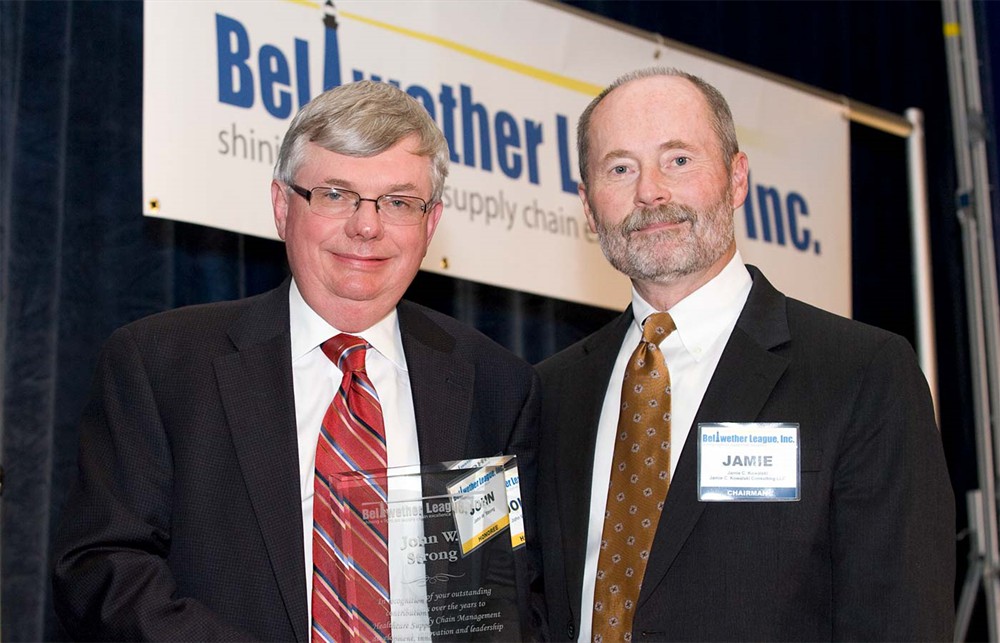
point(78, 260)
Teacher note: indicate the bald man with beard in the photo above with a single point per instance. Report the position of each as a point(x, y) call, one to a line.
point(866, 549)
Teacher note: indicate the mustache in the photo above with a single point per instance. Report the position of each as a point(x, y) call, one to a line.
point(644, 217)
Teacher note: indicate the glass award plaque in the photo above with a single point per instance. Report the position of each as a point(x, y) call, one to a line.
point(455, 541)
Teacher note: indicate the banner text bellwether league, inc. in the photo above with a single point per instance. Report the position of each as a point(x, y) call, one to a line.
point(489, 139)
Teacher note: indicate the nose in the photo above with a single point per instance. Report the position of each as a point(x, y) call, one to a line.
point(651, 189)
point(365, 223)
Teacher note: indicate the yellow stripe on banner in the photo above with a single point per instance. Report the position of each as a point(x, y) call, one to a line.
point(526, 70)
point(952, 29)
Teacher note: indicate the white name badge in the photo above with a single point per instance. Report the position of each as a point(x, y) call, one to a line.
point(512, 481)
point(748, 462)
point(480, 506)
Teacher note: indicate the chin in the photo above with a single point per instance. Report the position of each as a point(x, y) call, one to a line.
point(354, 293)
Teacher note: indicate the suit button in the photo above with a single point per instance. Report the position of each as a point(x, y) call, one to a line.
point(570, 630)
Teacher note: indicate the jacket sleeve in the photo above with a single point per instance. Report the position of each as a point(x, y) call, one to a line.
point(111, 579)
point(524, 444)
point(893, 510)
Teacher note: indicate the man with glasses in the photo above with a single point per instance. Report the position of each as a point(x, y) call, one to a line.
point(193, 515)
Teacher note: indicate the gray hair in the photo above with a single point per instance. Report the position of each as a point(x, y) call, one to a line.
point(363, 119)
point(722, 117)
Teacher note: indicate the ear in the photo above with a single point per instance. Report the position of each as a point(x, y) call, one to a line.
point(739, 179)
point(433, 218)
point(581, 189)
point(279, 204)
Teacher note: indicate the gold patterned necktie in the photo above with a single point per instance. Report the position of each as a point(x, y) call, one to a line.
point(640, 477)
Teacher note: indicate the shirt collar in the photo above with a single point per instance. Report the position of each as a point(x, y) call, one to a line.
point(309, 331)
point(704, 315)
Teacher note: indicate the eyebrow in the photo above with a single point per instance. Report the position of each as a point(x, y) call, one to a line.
point(672, 144)
point(395, 188)
point(675, 144)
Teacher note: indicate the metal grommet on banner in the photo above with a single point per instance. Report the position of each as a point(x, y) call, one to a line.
point(660, 44)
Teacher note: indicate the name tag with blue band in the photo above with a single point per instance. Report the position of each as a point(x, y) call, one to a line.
point(748, 462)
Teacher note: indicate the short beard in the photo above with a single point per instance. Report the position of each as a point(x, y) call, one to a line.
point(667, 255)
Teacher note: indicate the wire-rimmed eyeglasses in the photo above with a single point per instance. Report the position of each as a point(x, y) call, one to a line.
point(339, 203)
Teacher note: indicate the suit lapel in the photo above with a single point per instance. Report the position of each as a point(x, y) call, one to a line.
point(255, 384)
point(585, 383)
point(442, 383)
point(744, 378)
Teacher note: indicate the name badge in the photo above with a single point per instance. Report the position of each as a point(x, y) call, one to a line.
point(480, 506)
point(748, 462)
point(512, 481)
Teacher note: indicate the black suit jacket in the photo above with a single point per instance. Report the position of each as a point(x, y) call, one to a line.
point(185, 520)
point(866, 554)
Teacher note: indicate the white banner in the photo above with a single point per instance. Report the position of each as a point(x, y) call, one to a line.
point(506, 82)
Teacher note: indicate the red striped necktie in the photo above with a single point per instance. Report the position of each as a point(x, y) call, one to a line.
point(350, 598)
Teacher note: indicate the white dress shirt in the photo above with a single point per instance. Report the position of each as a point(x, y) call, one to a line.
point(705, 319)
point(315, 380)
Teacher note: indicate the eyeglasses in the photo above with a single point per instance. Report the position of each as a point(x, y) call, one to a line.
point(338, 203)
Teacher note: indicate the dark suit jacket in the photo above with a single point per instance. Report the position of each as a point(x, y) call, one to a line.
point(185, 521)
point(868, 551)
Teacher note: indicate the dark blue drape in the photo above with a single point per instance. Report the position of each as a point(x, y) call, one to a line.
point(78, 259)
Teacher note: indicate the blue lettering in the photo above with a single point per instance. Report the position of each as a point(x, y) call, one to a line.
point(284, 83)
point(447, 100)
point(748, 209)
point(532, 139)
point(508, 140)
point(233, 48)
point(472, 109)
point(302, 70)
point(568, 184)
point(765, 194)
point(763, 206)
point(236, 77)
point(424, 97)
point(797, 206)
point(274, 71)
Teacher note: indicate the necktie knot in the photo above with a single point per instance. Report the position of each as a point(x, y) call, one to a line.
point(656, 327)
point(346, 351)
